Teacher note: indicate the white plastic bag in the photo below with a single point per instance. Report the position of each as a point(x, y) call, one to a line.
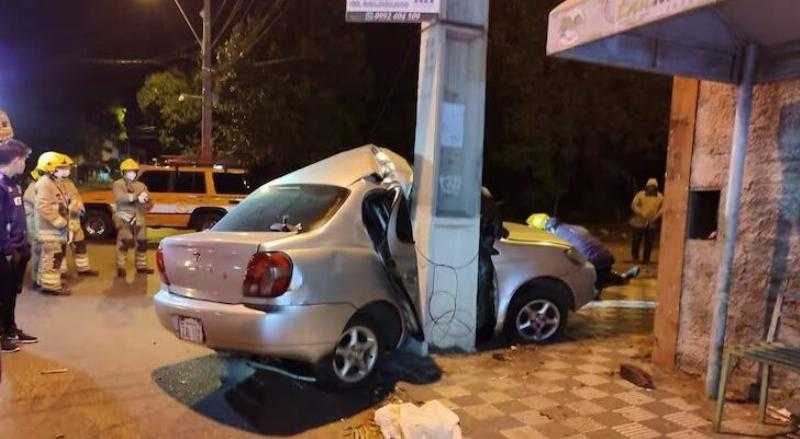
point(407, 421)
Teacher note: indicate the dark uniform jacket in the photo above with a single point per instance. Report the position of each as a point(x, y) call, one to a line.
point(13, 228)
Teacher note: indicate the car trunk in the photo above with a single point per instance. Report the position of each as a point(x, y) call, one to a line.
point(212, 265)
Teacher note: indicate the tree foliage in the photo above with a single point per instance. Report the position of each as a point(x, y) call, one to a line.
point(295, 83)
point(177, 121)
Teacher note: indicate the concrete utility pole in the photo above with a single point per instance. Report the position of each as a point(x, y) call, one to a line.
point(206, 147)
point(448, 161)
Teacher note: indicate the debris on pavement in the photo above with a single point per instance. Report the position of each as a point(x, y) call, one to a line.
point(636, 375)
point(407, 421)
point(499, 356)
point(54, 371)
point(781, 415)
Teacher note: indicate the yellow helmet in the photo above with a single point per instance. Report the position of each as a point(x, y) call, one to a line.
point(538, 220)
point(35, 175)
point(50, 161)
point(129, 165)
point(67, 160)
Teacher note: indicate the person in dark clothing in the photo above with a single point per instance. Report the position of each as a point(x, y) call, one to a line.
point(14, 248)
point(491, 230)
point(588, 246)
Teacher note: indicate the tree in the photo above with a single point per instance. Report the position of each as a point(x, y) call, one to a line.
point(565, 137)
point(177, 120)
point(298, 96)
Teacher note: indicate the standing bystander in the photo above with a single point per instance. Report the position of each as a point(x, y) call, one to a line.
point(14, 248)
point(646, 207)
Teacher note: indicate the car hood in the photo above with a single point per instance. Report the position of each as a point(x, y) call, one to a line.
point(524, 234)
point(347, 167)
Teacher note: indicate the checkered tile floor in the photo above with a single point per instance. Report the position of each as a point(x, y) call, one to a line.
point(570, 389)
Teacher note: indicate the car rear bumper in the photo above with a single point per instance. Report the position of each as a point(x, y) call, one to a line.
point(303, 333)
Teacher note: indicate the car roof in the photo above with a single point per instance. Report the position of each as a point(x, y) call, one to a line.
point(350, 166)
point(192, 169)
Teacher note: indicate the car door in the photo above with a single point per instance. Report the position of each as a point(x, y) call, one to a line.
point(388, 220)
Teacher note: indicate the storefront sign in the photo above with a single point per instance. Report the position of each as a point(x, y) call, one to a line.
point(392, 11)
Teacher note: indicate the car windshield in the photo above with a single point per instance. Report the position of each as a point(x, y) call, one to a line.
point(234, 184)
point(309, 206)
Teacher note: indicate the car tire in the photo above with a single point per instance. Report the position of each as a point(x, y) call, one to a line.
point(356, 357)
point(97, 224)
point(537, 315)
point(206, 221)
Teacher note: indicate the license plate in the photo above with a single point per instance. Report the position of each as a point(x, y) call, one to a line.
point(190, 329)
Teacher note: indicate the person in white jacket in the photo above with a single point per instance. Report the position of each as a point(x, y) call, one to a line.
point(646, 207)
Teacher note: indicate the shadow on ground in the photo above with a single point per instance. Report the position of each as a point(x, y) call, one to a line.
point(233, 393)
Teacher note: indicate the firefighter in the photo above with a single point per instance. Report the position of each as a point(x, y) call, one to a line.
point(132, 202)
point(76, 211)
point(52, 222)
point(29, 201)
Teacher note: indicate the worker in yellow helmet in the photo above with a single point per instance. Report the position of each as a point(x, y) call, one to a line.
point(52, 221)
point(77, 239)
point(589, 246)
point(29, 201)
point(132, 202)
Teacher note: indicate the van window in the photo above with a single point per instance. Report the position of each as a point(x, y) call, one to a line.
point(231, 184)
point(190, 182)
point(156, 181)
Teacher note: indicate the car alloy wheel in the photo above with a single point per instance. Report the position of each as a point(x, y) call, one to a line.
point(538, 320)
point(356, 354)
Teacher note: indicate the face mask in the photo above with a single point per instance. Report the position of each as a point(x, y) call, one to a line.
point(62, 173)
point(130, 176)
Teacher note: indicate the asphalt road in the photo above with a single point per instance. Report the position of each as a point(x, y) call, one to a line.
point(105, 368)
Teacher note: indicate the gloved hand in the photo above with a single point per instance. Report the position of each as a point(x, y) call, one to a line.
point(144, 197)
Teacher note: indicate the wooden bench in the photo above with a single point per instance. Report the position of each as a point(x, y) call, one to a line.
point(767, 354)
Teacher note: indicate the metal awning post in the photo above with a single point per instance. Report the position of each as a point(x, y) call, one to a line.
point(741, 129)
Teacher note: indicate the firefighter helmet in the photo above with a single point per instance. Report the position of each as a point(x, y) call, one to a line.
point(129, 165)
point(50, 161)
point(538, 220)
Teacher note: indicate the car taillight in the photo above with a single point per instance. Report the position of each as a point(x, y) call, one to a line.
point(162, 268)
point(269, 274)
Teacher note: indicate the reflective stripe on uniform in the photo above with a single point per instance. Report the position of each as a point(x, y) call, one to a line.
point(49, 276)
point(82, 262)
point(141, 260)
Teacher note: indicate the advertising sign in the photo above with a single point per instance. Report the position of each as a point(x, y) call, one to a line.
point(392, 11)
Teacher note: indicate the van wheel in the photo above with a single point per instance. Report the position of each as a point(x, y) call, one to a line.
point(205, 221)
point(537, 315)
point(97, 224)
point(355, 358)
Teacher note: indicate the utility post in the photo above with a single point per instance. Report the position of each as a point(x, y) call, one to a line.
point(448, 162)
point(206, 147)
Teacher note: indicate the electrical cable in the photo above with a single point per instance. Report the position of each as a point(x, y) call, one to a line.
point(447, 320)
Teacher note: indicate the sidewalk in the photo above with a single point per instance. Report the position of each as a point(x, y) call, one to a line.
point(573, 388)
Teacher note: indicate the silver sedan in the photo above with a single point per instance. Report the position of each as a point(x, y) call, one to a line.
point(306, 269)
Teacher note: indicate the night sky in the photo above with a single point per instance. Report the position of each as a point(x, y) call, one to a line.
point(49, 77)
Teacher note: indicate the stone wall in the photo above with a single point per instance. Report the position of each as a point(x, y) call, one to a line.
point(768, 248)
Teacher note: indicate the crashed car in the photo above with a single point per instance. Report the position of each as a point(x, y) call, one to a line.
point(319, 266)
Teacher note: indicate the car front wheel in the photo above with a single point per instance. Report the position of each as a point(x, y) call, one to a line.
point(356, 356)
point(537, 316)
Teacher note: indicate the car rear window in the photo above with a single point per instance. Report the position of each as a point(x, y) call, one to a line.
point(236, 184)
point(306, 204)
